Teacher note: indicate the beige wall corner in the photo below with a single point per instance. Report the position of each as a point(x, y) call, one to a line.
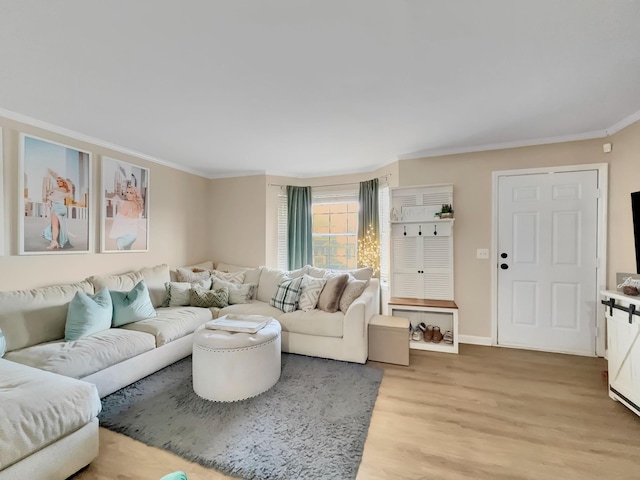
point(237, 220)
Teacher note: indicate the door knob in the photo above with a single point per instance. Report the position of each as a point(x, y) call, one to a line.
point(504, 266)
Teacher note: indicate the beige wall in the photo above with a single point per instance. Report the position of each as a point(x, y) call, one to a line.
point(237, 220)
point(471, 175)
point(178, 218)
point(624, 178)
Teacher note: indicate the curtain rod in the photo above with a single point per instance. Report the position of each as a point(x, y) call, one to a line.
point(383, 177)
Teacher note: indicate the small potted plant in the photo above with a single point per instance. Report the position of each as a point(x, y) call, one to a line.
point(447, 211)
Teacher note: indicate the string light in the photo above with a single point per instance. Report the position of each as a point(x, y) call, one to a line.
point(369, 250)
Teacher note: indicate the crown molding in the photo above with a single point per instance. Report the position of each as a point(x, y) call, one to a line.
point(18, 117)
point(502, 146)
point(625, 122)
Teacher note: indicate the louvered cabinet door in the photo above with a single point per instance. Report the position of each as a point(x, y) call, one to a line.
point(407, 280)
point(437, 253)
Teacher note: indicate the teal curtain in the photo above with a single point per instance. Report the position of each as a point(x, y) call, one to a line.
point(369, 226)
point(300, 227)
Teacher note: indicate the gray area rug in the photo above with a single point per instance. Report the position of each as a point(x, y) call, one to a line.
point(311, 425)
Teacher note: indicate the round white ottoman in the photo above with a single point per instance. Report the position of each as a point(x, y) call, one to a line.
point(230, 366)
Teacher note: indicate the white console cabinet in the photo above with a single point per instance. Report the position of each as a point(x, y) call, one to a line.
point(623, 348)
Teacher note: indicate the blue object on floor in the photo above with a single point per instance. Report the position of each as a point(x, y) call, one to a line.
point(175, 476)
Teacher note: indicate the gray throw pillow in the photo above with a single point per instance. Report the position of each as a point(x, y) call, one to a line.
point(201, 297)
point(237, 293)
point(329, 300)
point(353, 290)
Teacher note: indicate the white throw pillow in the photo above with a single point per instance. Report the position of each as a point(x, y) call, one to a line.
point(178, 294)
point(184, 275)
point(231, 277)
point(237, 293)
point(270, 278)
point(310, 292)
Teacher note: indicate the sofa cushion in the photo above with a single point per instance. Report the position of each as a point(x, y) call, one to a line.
point(352, 291)
point(313, 322)
point(29, 317)
point(254, 308)
point(119, 283)
point(172, 323)
point(88, 314)
point(231, 277)
point(363, 273)
point(185, 275)
point(329, 300)
point(237, 293)
point(88, 355)
point(131, 306)
point(178, 294)
point(287, 295)
point(270, 278)
point(203, 298)
point(310, 292)
point(251, 274)
point(200, 266)
point(155, 278)
point(39, 408)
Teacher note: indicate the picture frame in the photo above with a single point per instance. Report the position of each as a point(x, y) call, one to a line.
point(124, 208)
point(54, 198)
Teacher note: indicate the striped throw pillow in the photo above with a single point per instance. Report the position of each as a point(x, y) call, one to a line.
point(287, 294)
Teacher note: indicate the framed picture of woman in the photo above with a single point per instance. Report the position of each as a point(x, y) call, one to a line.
point(125, 207)
point(55, 191)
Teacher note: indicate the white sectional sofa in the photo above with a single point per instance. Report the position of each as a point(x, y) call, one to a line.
point(33, 323)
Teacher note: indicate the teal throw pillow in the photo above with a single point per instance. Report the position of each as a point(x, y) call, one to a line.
point(88, 314)
point(133, 306)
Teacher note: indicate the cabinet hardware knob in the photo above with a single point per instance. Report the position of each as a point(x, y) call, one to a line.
point(435, 229)
point(405, 231)
point(504, 266)
point(419, 229)
point(504, 255)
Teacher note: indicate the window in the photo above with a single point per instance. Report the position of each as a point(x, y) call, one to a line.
point(335, 230)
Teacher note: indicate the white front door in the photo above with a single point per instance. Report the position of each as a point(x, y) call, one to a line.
point(547, 261)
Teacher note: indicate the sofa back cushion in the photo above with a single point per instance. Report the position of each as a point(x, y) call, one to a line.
point(30, 317)
point(119, 283)
point(270, 278)
point(155, 278)
point(88, 314)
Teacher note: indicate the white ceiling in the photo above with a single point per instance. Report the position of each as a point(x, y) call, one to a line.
point(310, 88)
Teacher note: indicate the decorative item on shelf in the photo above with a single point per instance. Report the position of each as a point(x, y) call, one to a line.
point(369, 250)
point(630, 286)
point(446, 212)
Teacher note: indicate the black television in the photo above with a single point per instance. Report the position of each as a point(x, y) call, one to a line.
point(635, 208)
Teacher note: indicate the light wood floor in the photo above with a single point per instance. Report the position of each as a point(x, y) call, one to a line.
point(488, 413)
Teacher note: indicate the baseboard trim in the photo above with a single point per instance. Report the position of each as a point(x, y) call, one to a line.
point(474, 340)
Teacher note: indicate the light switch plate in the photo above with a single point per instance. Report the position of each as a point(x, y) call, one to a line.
point(482, 253)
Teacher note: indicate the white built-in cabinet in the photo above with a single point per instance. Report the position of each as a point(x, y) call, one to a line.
point(421, 277)
point(623, 348)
